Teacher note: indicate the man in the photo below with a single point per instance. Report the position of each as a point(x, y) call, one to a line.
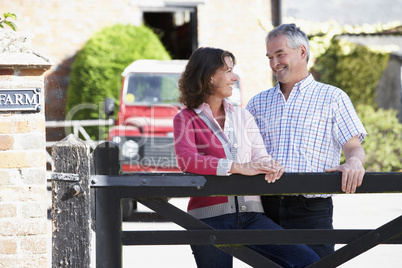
point(305, 126)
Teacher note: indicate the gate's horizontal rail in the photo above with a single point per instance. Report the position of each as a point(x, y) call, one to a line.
point(246, 237)
point(184, 185)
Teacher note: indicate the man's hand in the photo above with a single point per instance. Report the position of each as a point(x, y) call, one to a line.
point(352, 174)
point(352, 170)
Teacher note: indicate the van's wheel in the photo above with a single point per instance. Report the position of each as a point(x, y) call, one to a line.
point(128, 205)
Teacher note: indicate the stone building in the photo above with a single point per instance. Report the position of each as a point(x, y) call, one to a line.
point(59, 29)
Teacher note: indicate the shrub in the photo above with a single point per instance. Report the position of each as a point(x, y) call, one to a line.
point(383, 144)
point(96, 71)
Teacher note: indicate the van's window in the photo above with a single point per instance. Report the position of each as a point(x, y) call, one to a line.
point(150, 88)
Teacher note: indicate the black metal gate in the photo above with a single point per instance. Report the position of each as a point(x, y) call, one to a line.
point(107, 189)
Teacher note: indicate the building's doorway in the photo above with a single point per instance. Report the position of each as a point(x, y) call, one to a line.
point(177, 30)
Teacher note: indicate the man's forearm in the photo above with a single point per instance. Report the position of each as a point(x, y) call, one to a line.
point(353, 149)
point(357, 152)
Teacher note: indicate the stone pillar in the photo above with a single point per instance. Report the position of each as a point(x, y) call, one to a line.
point(23, 194)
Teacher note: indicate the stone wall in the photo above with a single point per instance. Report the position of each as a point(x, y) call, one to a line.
point(23, 195)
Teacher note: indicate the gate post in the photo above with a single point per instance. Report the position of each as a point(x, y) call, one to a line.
point(108, 214)
point(71, 204)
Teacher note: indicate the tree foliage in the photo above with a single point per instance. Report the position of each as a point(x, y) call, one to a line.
point(96, 71)
point(6, 20)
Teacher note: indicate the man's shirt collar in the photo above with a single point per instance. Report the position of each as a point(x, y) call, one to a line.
point(302, 85)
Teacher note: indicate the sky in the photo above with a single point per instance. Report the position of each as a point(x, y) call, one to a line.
point(352, 12)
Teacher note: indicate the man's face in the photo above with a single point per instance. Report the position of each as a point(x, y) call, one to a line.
point(287, 64)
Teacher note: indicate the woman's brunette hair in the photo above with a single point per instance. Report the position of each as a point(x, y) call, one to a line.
point(194, 83)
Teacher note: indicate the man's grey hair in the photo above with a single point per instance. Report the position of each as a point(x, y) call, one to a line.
point(294, 36)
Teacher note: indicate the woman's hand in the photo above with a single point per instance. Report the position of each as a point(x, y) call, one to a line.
point(272, 168)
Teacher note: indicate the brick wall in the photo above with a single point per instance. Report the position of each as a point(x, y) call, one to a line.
point(23, 195)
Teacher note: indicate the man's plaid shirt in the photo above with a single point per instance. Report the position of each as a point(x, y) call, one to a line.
point(306, 133)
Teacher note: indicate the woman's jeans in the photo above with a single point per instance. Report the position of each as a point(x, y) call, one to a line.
point(284, 255)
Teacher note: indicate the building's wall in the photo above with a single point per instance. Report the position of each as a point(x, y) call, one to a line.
point(238, 26)
point(58, 29)
point(23, 195)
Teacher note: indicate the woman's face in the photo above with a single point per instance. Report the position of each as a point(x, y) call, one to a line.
point(223, 80)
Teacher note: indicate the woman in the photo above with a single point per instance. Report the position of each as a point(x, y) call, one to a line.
point(214, 138)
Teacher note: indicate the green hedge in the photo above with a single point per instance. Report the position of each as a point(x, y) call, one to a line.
point(383, 144)
point(353, 68)
point(96, 71)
